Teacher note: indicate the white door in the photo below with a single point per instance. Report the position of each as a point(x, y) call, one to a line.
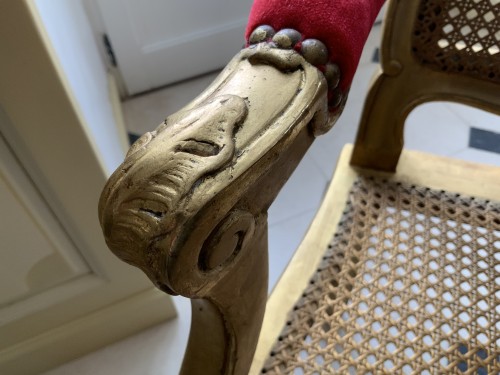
point(36, 254)
point(157, 42)
point(62, 292)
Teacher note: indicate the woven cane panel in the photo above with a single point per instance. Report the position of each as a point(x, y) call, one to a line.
point(459, 36)
point(410, 284)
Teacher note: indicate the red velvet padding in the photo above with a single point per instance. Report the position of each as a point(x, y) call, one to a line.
point(343, 25)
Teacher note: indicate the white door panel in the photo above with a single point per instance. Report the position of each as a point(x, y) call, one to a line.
point(159, 42)
point(36, 253)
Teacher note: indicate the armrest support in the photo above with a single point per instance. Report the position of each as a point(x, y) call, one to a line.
point(188, 206)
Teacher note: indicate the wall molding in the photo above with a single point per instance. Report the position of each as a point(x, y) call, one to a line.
point(208, 32)
point(87, 334)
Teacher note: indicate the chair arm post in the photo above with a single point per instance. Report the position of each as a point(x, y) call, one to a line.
point(188, 206)
point(225, 327)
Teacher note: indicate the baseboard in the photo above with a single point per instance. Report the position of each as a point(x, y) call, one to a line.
point(87, 334)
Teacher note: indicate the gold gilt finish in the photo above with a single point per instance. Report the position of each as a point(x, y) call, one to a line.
point(387, 304)
point(188, 206)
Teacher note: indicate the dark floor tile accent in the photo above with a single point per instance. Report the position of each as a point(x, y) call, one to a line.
point(132, 138)
point(484, 140)
point(376, 55)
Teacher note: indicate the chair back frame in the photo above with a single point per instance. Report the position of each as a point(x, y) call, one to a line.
point(405, 81)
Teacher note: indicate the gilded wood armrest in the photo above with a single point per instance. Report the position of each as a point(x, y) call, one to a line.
point(188, 206)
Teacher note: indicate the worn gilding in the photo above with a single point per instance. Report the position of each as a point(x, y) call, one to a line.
point(188, 206)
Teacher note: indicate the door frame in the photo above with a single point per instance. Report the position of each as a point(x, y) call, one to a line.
point(49, 137)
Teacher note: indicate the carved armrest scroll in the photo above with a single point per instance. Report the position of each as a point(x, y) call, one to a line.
point(188, 206)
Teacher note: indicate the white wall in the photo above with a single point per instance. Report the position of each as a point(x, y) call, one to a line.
point(71, 37)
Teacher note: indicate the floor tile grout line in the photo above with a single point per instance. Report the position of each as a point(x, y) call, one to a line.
point(294, 216)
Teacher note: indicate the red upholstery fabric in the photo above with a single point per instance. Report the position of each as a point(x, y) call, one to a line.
point(343, 25)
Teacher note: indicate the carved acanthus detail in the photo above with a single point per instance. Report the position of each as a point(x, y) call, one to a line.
point(147, 195)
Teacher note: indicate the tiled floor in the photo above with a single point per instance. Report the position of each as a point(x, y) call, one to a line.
point(440, 128)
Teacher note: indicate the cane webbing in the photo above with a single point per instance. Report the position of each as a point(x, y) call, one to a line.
point(410, 284)
point(459, 36)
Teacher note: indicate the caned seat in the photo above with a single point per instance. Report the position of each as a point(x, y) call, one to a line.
point(400, 270)
point(407, 278)
point(408, 283)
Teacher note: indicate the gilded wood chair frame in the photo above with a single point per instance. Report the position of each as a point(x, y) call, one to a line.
point(221, 161)
point(189, 204)
point(404, 83)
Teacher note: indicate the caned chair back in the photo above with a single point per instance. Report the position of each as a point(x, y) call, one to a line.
point(431, 50)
